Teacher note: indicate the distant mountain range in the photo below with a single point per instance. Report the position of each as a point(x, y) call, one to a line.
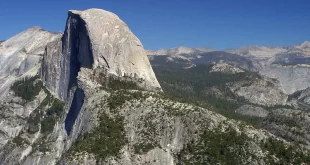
point(255, 51)
point(179, 51)
point(288, 64)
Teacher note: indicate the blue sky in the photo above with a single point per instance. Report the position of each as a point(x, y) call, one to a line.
point(158, 24)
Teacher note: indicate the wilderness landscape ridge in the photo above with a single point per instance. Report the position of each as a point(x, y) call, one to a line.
point(93, 95)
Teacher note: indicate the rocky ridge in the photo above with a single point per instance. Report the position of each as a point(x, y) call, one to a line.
point(226, 68)
point(179, 51)
point(288, 64)
point(20, 55)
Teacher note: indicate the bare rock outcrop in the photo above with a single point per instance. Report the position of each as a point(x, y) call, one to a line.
point(20, 55)
point(97, 40)
point(226, 68)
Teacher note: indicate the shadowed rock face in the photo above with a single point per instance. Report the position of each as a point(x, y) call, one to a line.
point(116, 48)
point(76, 105)
point(96, 44)
point(95, 39)
point(76, 50)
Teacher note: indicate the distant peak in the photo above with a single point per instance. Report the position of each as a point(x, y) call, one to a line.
point(305, 44)
point(35, 28)
point(183, 47)
point(205, 49)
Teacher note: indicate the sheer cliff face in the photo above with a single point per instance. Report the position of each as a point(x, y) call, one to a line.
point(114, 46)
point(97, 40)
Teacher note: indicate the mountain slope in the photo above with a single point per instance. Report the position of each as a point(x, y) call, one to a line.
point(258, 51)
point(223, 81)
point(20, 55)
point(124, 126)
point(288, 64)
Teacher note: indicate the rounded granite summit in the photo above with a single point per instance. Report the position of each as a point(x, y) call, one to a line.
point(96, 44)
point(114, 46)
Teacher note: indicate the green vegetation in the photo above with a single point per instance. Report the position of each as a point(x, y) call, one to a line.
point(47, 125)
point(148, 142)
point(216, 148)
point(194, 84)
point(200, 87)
point(47, 118)
point(42, 145)
point(34, 121)
point(118, 98)
point(46, 114)
point(143, 148)
point(105, 140)
point(56, 108)
point(109, 137)
point(19, 141)
point(282, 120)
point(285, 154)
point(52, 115)
point(36, 116)
point(116, 84)
point(230, 147)
point(27, 88)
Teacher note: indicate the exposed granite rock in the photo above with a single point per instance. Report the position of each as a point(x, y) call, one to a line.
point(166, 127)
point(175, 52)
point(50, 67)
point(14, 114)
point(292, 78)
point(226, 68)
point(263, 91)
point(288, 64)
point(97, 40)
point(260, 52)
point(300, 99)
point(292, 125)
point(114, 46)
point(20, 55)
point(251, 110)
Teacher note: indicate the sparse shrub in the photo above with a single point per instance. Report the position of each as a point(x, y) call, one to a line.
point(56, 108)
point(52, 115)
point(27, 88)
point(116, 84)
point(47, 125)
point(286, 154)
point(105, 140)
point(19, 141)
point(142, 148)
point(216, 148)
point(193, 86)
point(37, 115)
